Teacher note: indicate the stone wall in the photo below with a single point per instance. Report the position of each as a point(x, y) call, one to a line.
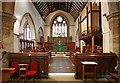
point(114, 25)
point(8, 25)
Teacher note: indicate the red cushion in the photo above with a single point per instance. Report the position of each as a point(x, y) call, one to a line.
point(12, 72)
point(34, 66)
point(73, 60)
point(30, 73)
point(14, 64)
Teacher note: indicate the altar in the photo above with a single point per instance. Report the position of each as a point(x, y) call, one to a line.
point(60, 48)
point(60, 44)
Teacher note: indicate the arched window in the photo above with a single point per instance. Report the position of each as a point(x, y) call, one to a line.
point(59, 27)
point(27, 32)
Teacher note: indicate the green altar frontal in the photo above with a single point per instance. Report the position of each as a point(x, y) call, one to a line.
point(60, 48)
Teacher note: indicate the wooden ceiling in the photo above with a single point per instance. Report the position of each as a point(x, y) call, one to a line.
point(73, 7)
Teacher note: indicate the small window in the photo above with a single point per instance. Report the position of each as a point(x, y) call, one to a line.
point(28, 32)
point(25, 32)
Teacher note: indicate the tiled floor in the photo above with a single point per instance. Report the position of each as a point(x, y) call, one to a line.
point(61, 64)
point(62, 78)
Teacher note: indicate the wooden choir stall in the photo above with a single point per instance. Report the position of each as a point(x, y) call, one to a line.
point(26, 58)
point(106, 63)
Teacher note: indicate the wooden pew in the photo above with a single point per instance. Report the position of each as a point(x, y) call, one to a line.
point(25, 58)
point(5, 74)
point(106, 63)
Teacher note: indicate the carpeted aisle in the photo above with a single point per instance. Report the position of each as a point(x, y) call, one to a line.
point(61, 64)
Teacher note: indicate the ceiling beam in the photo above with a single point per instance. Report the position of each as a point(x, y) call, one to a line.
point(74, 7)
point(41, 5)
point(43, 8)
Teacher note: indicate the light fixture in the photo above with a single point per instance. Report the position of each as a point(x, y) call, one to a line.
point(43, 17)
point(104, 15)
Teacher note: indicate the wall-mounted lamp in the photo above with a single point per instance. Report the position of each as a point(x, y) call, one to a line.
point(106, 16)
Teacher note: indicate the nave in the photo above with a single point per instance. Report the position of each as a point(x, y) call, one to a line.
point(32, 30)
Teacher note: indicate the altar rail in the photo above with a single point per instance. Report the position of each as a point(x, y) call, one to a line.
point(106, 63)
point(41, 58)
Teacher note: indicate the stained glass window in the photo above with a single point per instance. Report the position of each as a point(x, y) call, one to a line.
point(59, 27)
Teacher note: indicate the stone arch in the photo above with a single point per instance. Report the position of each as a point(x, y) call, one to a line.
point(27, 18)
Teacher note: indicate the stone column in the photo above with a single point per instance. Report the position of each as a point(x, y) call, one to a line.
point(114, 25)
point(8, 20)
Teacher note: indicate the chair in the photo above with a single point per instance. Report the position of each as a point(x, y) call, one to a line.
point(14, 65)
point(33, 70)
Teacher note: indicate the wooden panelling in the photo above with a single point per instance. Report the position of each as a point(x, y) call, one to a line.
point(90, 29)
point(41, 58)
point(71, 46)
point(48, 46)
point(63, 40)
point(106, 63)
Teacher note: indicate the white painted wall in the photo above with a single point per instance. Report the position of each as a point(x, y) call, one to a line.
point(105, 27)
point(71, 22)
point(16, 44)
point(20, 9)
